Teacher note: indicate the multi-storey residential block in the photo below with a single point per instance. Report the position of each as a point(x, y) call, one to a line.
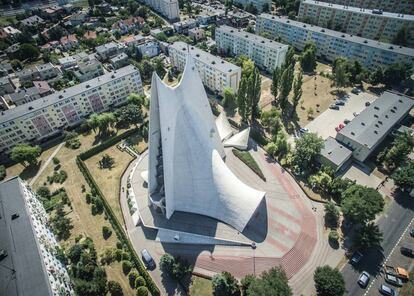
point(168, 8)
point(371, 24)
point(87, 70)
point(108, 50)
point(39, 72)
point(6, 85)
point(259, 4)
point(119, 61)
point(45, 117)
point(30, 264)
point(267, 54)
point(215, 73)
point(184, 26)
point(399, 6)
point(149, 48)
point(332, 44)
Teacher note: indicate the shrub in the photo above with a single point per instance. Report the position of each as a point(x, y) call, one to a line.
point(58, 177)
point(55, 160)
point(73, 143)
point(43, 192)
point(132, 276)
point(88, 198)
point(333, 236)
point(126, 266)
point(140, 282)
point(142, 291)
point(119, 245)
point(115, 289)
point(248, 159)
point(106, 232)
point(118, 255)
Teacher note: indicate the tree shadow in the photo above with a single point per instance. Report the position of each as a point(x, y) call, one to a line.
point(102, 137)
point(30, 171)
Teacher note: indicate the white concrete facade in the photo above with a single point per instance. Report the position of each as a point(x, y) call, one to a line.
point(186, 168)
point(399, 6)
point(216, 73)
point(168, 8)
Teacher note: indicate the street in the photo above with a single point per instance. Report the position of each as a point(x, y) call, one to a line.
point(393, 224)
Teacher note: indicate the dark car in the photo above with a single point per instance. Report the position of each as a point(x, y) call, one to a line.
point(407, 251)
point(412, 232)
point(334, 107)
point(385, 290)
point(355, 90)
point(393, 280)
point(356, 257)
point(147, 259)
point(363, 279)
point(367, 104)
point(339, 103)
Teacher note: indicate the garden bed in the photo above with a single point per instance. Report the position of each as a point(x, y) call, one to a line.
point(248, 159)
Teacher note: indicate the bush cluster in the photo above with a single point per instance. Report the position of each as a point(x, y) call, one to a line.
point(57, 177)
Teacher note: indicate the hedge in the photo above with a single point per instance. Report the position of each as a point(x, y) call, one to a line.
point(119, 231)
point(248, 159)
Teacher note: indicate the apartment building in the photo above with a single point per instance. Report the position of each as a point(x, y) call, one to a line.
point(216, 74)
point(40, 72)
point(87, 70)
point(259, 4)
point(6, 85)
point(399, 6)
point(30, 265)
point(267, 54)
point(108, 50)
point(332, 44)
point(38, 120)
point(168, 8)
point(372, 24)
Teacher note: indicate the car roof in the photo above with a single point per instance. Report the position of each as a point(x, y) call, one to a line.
point(385, 288)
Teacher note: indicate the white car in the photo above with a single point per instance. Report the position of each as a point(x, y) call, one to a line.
point(363, 279)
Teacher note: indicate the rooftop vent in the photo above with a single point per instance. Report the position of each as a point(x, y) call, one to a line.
point(247, 36)
point(60, 96)
point(222, 62)
point(323, 30)
point(375, 115)
point(376, 132)
point(400, 101)
point(88, 86)
point(213, 62)
point(376, 108)
point(392, 110)
point(15, 216)
point(352, 133)
point(231, 31)
point(391, 47)
point(379, 121)
point(362, 123)
point(262, 41)
point(198, 55)
point(288, 21)
point(304, 26)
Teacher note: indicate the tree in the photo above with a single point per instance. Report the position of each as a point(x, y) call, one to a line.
point(229, 98)
point(361, 204)
point(132, 276)
point(25, 154)
point(159, 67)
point(245, 283)
point(275, 82)
point(328, 281)
point(307, 148)
point(142, 11)
point(106, 232)
point(142, 291)
point(224, 284)
point(396, 73)
point(2, 172)
point(289, 59)
point(340, 74)
point(115, 289)
point(273, 282)
point(167, 263)
point(401, 147)
point(126, 266)
point(250, 29)
point(331, 214)
point(134, 98)
point(308, 58)
point(249, 91)
point(339, 185)
point(29, 52)
point(403, 177)
point(368, 236)
point(139, 282)
point(271, 120)
point(286, 86)
point(377, 76)
point(129, 114)
point(43, 192)
point(101, 121)
point(321, 180)
point(297, 91)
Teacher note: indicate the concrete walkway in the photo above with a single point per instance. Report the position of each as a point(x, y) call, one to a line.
point(44, 166)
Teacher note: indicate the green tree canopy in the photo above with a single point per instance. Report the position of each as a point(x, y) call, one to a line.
point(224, 284)
point(129, 114)
point(25, 154)
point(404, 176)
point(308, 57)
point(340, 73)
point(361, 204)
point(115, 289)
point(328, 281)
point(249, 91)
point(229, 98)
point(273, 282)
point(368, 236)
point(29, 52)
point(307, 148)
point(271, 120)
point(401, 147)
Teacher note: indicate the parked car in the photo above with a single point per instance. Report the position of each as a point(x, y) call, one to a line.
point(356, 257)
point(393, 280)
point(355, 90)
point(385, 290)
point(339, 103)
point(337, 129)
point(334, 107)
point(346, 121)
point(412, 232)
point(304, 130)
point(363, 279)
point(147, 259)
point(407, 251)
point(341, 125)
point(396, 271)
point(355, 114)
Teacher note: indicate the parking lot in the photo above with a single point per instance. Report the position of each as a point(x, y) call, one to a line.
point(395, 259)
point(324, 125)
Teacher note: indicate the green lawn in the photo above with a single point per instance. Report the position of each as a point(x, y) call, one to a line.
point(200, 287)
point(7, 20)
point(248, 159)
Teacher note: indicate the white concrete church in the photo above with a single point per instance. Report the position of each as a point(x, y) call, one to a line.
point(186, 150)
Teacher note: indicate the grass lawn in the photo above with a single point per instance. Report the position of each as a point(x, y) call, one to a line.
point(84, 223)
point(200, 287)
point(108, 179)
point(248, 159)
point(7, 20)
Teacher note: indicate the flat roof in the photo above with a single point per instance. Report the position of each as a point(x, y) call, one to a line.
point(335, 152)
point(38, 104)
point(377, 120)
point(359, 10)
point(206, 57)
point(339, 35)
point(22, 272)
point(252, 37)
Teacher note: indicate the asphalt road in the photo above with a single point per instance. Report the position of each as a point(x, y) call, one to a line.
point(398, 216)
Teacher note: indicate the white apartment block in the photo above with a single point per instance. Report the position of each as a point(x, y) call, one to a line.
point(168, 8)
point(367, 23)
point(399, 6)
point(256, 3)
point(332, 44)
point(267, 54)
point(30, 266)
point(40, 119)
point(216, 74)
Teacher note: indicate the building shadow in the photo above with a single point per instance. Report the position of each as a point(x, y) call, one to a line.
point(257, 228)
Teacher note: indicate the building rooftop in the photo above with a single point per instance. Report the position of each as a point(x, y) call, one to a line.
point(373, 12)
point(105, 47)
point(335, 152)
point(22, 93)
point(120, 57)
point(350, 38)
point(18, 240)
point(376, 121)
point(205, 57)
point(252, 37)
point(32, 20)
point(64, 94)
